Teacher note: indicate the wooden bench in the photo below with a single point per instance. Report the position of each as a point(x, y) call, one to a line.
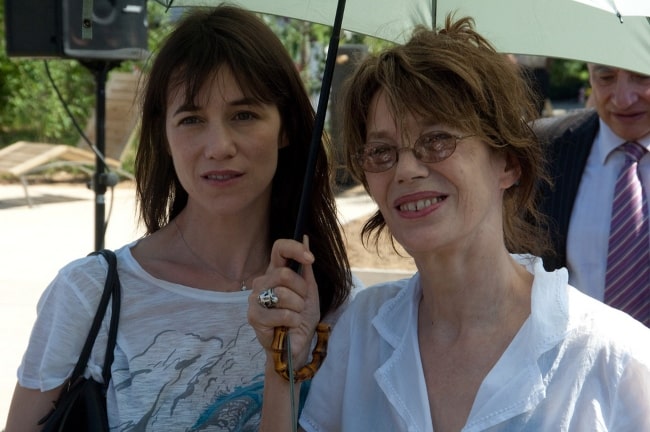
point(23, 158)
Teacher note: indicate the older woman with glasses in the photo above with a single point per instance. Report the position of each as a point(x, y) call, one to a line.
point(482, 337)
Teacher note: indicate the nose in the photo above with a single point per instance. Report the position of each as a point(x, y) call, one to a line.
point(408, 167)
point(218, 143)
point(625, 92)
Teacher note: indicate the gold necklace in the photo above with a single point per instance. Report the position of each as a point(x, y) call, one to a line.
point(242, 286)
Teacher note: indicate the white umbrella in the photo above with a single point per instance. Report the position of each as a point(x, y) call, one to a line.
point(621, 8)
point(554, 28)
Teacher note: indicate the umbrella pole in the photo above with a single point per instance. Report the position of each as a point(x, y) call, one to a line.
point(316, 138)
point(321, 111)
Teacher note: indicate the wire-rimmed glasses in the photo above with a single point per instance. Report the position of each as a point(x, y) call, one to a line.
point(430, 147)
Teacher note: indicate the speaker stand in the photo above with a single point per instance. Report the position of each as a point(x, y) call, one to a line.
point(101, 178)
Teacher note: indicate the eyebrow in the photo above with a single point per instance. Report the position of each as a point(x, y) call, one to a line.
point(425, 127)
point(244, 101)
point(602, 68)
point(377, 135)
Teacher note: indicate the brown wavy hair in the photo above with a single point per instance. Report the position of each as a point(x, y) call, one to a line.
point(202, 42)
point(454, 76)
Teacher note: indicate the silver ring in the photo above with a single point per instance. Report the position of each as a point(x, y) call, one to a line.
point(268, 299)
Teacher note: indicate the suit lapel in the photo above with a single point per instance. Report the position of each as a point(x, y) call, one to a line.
point(568, 154)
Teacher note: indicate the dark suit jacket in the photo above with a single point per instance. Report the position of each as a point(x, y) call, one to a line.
point(568, 140)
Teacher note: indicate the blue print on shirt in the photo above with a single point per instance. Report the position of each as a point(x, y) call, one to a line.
point(245, 402)
point(206, 384)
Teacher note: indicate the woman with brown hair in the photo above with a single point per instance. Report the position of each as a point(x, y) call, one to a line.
point(481, 338)
point(226, 128)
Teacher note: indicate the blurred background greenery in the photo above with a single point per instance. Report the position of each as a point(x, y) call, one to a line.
point(30, 109)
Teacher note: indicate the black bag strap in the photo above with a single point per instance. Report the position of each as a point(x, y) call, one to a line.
point(111, 289)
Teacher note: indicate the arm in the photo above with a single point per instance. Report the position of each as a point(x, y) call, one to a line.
point(277, 406)
point(28, 406)
point(631, 404)
point(297, 310)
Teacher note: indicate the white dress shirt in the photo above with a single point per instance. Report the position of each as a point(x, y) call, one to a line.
point(588, 236)
point(575, 365)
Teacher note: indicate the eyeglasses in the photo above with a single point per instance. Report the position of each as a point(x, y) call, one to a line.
point(431, 147)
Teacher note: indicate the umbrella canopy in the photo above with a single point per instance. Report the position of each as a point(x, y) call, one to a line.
point(621, 8)
point(554, 28)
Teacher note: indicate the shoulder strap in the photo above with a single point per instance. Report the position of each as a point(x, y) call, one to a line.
point(111, 289)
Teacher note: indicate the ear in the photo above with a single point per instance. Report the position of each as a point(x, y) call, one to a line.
point(511, 172)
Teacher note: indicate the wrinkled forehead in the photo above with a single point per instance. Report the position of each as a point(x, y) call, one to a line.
point(411, 110)
point(597, 69)
point(388, 117)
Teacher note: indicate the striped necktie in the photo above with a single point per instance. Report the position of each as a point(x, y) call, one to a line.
point(627, 280)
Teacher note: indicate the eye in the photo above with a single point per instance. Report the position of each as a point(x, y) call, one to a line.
point(605, 78)
point(639, 78)
point(378, 152)
point(189, 120)
point(435, 141)
point(244, 116)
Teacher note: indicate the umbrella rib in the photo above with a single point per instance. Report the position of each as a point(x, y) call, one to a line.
point(434, 13)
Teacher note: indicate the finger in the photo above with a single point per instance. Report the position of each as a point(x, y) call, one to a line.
point(282, 297)
point(285, 250)
point(308, 275)
point(282, 277)
point(264, 320)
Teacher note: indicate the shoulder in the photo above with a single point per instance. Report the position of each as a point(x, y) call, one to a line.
point(380, 311)
point(608, 326)
point(549, 129)
point(81, 274)
point(356, 287)
point(561, 309)
point(369, 301)
point(377, 294)
point(82, 280)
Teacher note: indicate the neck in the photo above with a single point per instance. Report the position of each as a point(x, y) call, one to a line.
point(233, 259)
point(470, 297)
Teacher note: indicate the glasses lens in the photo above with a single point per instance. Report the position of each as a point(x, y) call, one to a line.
point(435, 146)
point(429, 148)
point(377, 157)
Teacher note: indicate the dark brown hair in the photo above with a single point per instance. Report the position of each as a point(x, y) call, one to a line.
point(203, 41)
point(454, 76)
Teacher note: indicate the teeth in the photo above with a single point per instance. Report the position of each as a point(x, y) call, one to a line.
point(419, 205)
point(218, 177)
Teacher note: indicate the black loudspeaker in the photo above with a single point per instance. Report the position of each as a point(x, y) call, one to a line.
point(54, 28)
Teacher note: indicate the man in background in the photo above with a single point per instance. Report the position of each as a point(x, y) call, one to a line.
point(585, 162)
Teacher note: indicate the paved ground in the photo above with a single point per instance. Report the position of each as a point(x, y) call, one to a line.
point(36, 241)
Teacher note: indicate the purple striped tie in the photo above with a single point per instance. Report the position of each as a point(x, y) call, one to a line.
point(627, 280)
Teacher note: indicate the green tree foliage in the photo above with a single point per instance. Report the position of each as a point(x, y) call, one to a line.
point(29, 106)
point(307, 43)
point(31, 110)
point(567, 78)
